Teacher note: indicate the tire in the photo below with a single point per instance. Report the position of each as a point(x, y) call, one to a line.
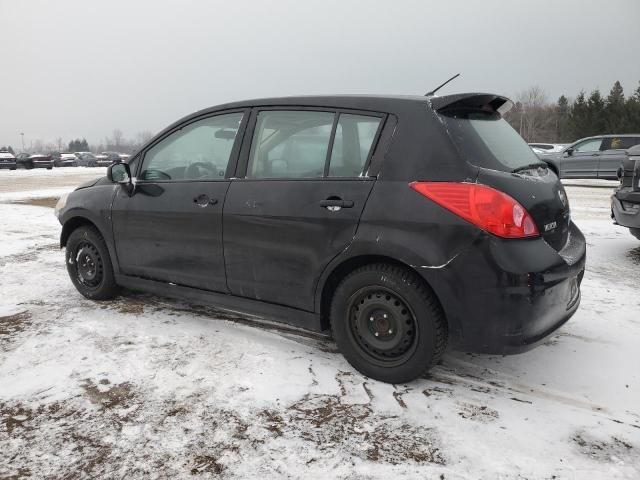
point(12, 168)
point(387, 323)
point(635, 232)
point(89, 264)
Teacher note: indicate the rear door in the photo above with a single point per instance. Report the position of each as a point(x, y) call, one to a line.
point(613, 153)
point(298, 201)
point(583, 161)
point(170, 229)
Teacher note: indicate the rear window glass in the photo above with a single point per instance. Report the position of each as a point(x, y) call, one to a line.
point(486, 140)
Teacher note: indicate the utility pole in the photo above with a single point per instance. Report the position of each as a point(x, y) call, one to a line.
point(22, 136)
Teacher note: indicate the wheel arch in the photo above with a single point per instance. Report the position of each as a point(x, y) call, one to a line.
point(348, 265)
point(73, 223)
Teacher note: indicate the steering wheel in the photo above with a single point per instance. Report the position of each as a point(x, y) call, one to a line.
point(193, 171)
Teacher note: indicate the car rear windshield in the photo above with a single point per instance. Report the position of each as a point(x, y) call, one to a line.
point(485, 139)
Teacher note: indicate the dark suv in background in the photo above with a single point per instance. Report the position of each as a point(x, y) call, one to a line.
point(400, 225)
point(592, 157)
point(625, 202)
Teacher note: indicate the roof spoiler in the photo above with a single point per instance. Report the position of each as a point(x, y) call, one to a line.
point(480, 101)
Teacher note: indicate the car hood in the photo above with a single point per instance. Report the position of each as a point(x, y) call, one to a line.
point(90, 183)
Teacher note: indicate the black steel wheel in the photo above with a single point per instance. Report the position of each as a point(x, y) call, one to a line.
point(388, 323)
point(89, 264)
point(382, 325)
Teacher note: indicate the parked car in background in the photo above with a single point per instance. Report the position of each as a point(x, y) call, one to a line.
point(7, 161)
point(64, 159)
point(105, 159)
point(548, 147)
point(36, 160)
point(592, 157)
point(351, 215)
point(625, 201)
point(124, 157)
point(86, 159)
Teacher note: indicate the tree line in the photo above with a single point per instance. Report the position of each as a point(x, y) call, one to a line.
point(566, 120)
point(117, 142)
point(533, 116)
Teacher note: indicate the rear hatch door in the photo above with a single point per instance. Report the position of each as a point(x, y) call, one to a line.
point(485, 139)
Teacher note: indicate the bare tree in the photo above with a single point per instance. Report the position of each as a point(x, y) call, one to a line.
point(37, 146)
point(117, 138)
point(143, 137)
point(537, 119)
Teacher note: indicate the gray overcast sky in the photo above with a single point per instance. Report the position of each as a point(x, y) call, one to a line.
point(82, 68)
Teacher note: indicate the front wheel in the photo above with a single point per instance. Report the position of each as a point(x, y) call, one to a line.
point(635, 232)
point(387, 323)
point(89, 264)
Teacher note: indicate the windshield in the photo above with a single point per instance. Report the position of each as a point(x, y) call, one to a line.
point(486, 140)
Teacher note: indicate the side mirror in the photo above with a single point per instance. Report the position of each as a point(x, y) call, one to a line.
point(119, 173)
point(568, 152)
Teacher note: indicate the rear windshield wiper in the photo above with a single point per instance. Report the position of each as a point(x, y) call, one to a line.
point(531, 166)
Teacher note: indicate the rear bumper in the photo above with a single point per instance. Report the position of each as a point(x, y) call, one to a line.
point(45, 164)
point(505, 297)
point(625, 209)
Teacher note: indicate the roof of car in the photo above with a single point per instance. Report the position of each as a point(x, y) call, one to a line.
point(357, 102)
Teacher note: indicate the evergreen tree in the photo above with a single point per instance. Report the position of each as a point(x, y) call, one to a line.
point(595, 108)
point(615, 114)
point(562, 120)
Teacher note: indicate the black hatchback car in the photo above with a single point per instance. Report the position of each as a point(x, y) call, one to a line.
point(400, 225)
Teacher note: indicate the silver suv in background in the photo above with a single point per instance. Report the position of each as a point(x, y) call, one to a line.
point(592, 157)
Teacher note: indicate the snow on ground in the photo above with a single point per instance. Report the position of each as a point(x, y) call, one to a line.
point(144, 387)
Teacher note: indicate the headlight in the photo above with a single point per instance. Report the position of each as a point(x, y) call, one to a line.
point(62, 202)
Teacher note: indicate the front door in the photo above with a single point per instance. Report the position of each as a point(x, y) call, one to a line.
point(583, 160)
point(299, 204)
point(170, 229)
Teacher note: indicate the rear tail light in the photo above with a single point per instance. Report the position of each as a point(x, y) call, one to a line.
point(485, 207)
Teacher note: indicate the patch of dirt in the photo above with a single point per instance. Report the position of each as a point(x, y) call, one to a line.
point(15, 323)
point(613, 450)
point(634, 255)
point(120, 395)
point(326, 422)
point(478, 413)
point(39, 202)
point(275, 423)
point(30, 255)
point(13, 417)
point(205, 464)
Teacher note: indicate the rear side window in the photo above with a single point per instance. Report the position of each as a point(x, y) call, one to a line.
point(290, 144)
point(620, 143)
point(486, 140)
point(295, 144)
point(352, 145)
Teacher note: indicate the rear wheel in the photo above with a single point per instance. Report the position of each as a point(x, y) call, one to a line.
point(635, 232)
point(387, 323)
point(89, 264)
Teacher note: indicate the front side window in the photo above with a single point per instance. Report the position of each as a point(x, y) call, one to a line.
point(198, 151)
point(589, 145)
point(290, 144)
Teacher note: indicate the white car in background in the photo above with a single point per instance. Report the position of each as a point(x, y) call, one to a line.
point(548, 147)
point(7, 160)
